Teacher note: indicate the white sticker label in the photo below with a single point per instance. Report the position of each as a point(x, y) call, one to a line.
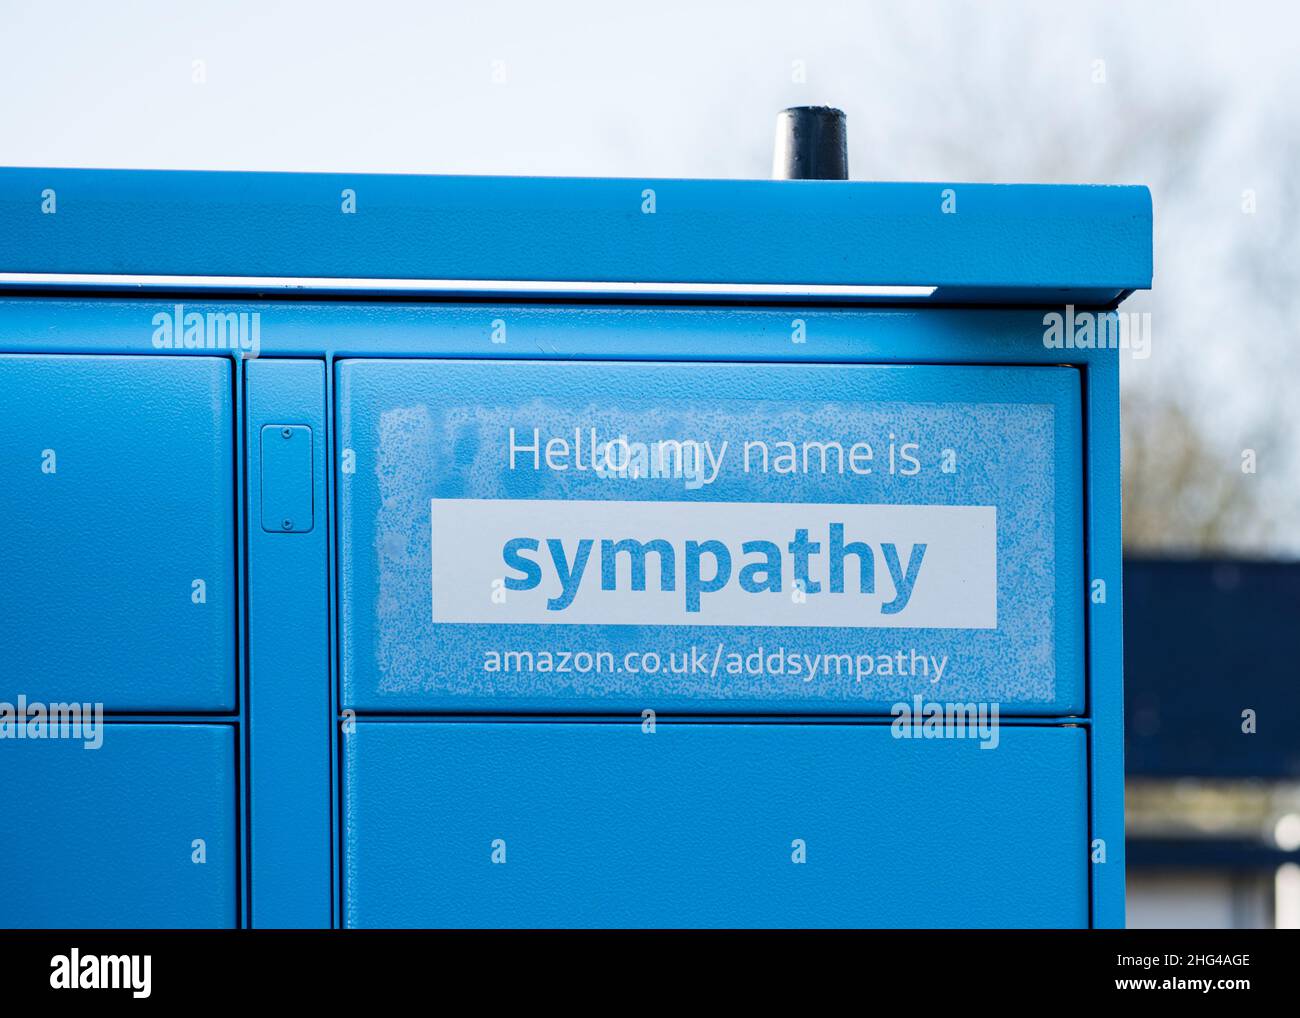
point(648, 563)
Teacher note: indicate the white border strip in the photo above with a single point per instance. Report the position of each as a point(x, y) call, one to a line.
point(460, 286)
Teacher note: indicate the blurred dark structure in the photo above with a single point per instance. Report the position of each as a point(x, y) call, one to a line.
point(1212, 722)
point(1205, 640)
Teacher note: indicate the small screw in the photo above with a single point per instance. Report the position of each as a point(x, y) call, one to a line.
point(287, 525)
point(286, 432)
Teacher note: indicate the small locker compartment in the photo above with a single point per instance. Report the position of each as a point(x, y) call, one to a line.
point(124, 825)
point(117, 488)
point(471, 823)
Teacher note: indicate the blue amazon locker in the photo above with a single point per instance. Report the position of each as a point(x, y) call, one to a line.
point(437, 551)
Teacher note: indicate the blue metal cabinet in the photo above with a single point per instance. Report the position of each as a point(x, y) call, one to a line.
point(116, 488)
point(137, 831)
point(411, 672)
point(520, 536)
point(542, 824)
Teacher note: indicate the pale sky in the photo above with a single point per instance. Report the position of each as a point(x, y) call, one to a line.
point(599, 89)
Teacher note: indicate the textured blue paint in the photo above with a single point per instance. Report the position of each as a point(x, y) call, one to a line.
point(1002, 238)
point(693, 826)
point(105, 837)
point(1105, 644)
point(548, 332)
point(289, 667)
point(424, 430)
point(98, 602)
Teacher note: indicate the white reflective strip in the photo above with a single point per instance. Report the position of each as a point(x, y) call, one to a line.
point(460, 285)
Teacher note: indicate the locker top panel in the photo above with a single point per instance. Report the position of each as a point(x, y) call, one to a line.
point(357, 233)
